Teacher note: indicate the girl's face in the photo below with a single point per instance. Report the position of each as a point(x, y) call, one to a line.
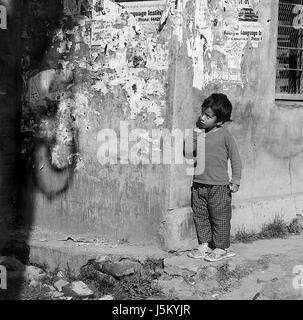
point(207, 120)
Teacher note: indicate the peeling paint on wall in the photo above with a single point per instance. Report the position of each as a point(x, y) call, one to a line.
point(219, 34)
point(119, 72)
point(47, 84)
point(100, 48)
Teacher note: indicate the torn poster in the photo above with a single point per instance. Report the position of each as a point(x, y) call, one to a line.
point(148, 13)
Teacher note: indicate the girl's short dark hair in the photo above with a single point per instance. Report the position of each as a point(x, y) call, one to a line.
point(220, 105)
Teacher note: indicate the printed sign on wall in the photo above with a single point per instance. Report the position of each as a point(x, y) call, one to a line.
point(148, 13)
point(218, 50)
point(249, 27)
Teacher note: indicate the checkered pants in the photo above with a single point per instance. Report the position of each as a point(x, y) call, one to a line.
point(211, 207)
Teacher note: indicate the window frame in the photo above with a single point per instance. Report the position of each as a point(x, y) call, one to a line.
point(296, 98)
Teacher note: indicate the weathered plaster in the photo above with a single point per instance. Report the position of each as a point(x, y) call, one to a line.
point(98, 70)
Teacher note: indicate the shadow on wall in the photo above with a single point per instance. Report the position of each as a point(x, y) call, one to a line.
point(34, 169)
point(9, 110)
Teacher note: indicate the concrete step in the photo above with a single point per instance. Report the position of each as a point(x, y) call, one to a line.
point(73, 255)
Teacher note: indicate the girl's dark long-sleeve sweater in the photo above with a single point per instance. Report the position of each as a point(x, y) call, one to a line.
point(219, 146)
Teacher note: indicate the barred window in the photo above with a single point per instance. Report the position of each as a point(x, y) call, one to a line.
point(289, 67)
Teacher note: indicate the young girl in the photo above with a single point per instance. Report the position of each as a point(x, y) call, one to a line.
point(211, 190)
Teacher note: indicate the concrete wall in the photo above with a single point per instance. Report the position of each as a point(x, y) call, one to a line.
point(93, 73)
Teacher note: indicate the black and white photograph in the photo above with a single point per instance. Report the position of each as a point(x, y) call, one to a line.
point(151, 153)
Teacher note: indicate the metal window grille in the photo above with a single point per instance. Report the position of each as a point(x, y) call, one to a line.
point(289, 75)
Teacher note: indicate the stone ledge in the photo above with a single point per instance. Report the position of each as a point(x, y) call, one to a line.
point(177, 231)
point(57, 254)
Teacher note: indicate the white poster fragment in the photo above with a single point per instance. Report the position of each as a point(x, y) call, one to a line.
point(105, 10)
point(148, 13)
point(249, 27)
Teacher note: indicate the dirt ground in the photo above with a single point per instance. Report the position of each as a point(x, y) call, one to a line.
point(261, 270)
point(278, 275)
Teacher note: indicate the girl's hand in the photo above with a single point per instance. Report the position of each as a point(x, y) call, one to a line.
point(234, 187)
